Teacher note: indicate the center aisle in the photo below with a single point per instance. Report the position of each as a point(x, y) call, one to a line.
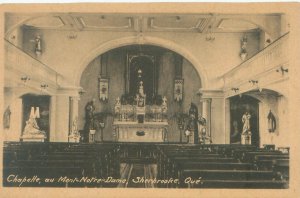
point(136, 174)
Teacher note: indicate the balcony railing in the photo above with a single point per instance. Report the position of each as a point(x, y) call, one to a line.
point(20, 62)
point(268, 59)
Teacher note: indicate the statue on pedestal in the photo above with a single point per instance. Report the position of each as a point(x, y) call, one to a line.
point(31, 127)
point(192, 125)
point(89, 118)
point(118, 108)
point(246, 133)
point(204, 137)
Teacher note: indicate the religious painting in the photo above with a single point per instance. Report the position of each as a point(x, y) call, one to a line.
point(141, 67)
point(103, 89)
point(178, 90)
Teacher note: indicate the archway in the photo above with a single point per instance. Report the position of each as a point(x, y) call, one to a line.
point(114, 64)
point(146, 40)
point(42, 102)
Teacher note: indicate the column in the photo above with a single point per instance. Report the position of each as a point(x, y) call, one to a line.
point(227, 121)
point(214, 109)
point(52, 133)
point(62, 118)
point(206, 113)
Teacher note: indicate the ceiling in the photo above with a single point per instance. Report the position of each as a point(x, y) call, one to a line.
point(199, 23)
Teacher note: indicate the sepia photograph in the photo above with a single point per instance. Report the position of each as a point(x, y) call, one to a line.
point(109, 96)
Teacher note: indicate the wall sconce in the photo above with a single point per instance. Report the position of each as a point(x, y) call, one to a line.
point(209, 34)
point(235, 89)
point(72, 36)
point(81, 92)
point(253, 82)
point(44, 86)
point(25, 78)
point(282, 70)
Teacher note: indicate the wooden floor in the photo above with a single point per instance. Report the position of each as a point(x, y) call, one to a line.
point(143, 165)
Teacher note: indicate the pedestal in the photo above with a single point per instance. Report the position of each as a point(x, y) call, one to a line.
point(33, 138)
point(74, 138)
point(92, 136)
point(246, 138)
point(191, 139)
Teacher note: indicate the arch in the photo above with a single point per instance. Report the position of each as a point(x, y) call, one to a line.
point(124, 41)
point(259, 95)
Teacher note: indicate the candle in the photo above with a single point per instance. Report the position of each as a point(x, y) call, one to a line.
point(37, 112)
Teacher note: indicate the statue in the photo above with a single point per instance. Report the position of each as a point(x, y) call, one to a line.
point(32, 127)
point(140, 96)
point(74, 126)
point(74, 134)
point(117, 105)
point(246, 134)
point(141, 89)
point(271, 122)
point(193, 123)
point(164, 105)
point(89, 114)
point(6, 118)
point(89, 118)
point(204, 137)
point(246, 121)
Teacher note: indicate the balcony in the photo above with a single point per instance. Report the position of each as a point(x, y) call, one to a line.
point(266, 67)
point(18, 64)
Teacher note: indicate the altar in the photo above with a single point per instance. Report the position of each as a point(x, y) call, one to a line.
point(140, 132)
point(138, 117)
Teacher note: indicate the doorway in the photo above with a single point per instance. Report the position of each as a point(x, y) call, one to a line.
point(41, 101)
point(239, 105)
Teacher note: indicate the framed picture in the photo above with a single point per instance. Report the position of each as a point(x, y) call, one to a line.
point(103, 89)
point(178, 90)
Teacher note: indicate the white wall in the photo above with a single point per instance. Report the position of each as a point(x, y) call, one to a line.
point(15, 130)
point(65, 55)
point(279, 107)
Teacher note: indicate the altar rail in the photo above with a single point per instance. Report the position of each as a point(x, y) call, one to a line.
point(264, 63)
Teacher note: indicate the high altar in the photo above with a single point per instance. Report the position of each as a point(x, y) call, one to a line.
point(139, 122)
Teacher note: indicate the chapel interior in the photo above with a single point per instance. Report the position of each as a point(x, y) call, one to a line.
point(146, 97)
